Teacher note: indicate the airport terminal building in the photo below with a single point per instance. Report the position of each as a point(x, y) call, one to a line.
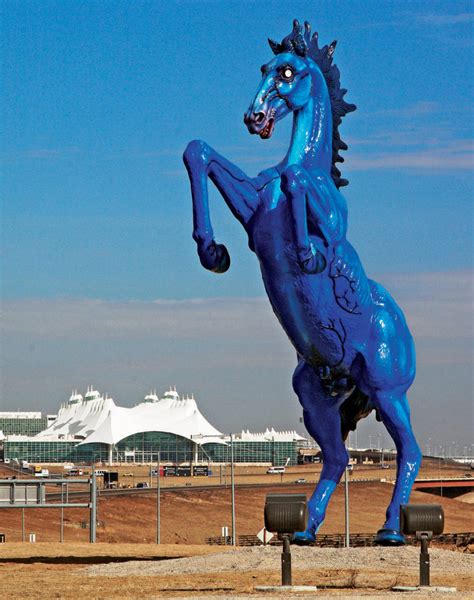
point(92, 429)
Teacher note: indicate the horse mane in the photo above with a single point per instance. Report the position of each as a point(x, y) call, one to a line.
point(300, 42)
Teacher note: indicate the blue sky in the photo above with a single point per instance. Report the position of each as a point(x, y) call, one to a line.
point(100, 99)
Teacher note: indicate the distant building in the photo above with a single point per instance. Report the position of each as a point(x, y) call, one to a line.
point(92, 428)
point(24, 423)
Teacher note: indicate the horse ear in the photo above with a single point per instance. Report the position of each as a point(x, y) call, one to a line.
point(276, 48)
point(307, 33)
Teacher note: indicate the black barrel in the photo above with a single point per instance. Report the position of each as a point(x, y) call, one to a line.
point(285, 513)
point(421, 517)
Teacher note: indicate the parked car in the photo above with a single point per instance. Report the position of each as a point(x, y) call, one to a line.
point(143, 484)
point(275, 470)
point(75, 472)
point(300, 480)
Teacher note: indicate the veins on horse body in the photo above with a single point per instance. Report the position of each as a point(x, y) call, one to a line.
point(345, 294)
point(341, 334)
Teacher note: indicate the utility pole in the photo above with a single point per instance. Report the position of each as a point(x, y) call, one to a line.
point(346, 506)
point(158, 501)
point(232, 477)
point(93, 508)
point(61, 528)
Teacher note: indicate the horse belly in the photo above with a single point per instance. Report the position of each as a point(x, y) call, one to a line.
point(319, 330)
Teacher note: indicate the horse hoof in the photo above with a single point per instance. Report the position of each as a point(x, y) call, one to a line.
point(312, 264)
point(389, 537)
point(223, 259)
point(303, 538)
point(214, 257)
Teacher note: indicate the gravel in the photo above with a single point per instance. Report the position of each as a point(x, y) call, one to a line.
point(268, 558)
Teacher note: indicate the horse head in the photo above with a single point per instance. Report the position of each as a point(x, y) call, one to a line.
point(286, 84)
point(301, 71)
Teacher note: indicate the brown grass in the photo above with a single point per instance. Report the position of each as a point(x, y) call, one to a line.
point(188, 517)
point(66, 577)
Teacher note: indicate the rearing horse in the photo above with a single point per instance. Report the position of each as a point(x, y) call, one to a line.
point(354, 350)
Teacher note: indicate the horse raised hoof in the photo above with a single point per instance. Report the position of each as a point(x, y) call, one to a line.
point(303, 538)
point(310, 263)
point(214, 257)
point(389, 537)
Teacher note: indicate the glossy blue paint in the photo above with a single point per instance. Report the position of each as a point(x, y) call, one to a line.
point(354, 350)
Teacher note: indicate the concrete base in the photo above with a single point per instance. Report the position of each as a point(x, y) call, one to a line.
point(424, 588)
point(286, 588)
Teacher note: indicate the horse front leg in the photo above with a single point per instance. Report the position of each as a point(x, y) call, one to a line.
point(238, 190)
point(317, 204)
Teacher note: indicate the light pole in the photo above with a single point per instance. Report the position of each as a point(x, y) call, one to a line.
point(158, 500)
point(232, 485)
point(346, 505)
point(232, 477)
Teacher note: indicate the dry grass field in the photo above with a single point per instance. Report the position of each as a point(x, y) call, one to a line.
point(127, 529)
point(52, 570)
point(190, 516)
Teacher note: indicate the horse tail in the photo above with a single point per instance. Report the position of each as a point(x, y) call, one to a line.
point(352, 410)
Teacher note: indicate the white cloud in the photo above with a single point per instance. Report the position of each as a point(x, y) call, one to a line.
point(444, 20)
point(424, 159)
point(438, 305)
point(230, 351)
point(417, 136)
point(167, 319)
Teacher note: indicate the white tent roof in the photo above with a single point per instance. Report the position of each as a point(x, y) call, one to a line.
point(170, 414)
point(79, 417)
point(269, 435)
point(95, 419)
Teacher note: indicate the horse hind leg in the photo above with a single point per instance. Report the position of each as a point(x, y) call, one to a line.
point(323, 422)
point(395, 414)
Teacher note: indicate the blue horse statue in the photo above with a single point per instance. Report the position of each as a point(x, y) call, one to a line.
point(354, 350)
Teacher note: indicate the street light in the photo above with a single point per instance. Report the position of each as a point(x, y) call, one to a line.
point(232, 476)
point(232, 485)
point(423, 521)
point(158, 499)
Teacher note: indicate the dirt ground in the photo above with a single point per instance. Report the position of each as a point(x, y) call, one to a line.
point(190, 516)
point(127, 532)
point(62, 571)
point(130, 475)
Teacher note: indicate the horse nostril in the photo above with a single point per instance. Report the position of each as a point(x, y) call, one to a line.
point(259, 117)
